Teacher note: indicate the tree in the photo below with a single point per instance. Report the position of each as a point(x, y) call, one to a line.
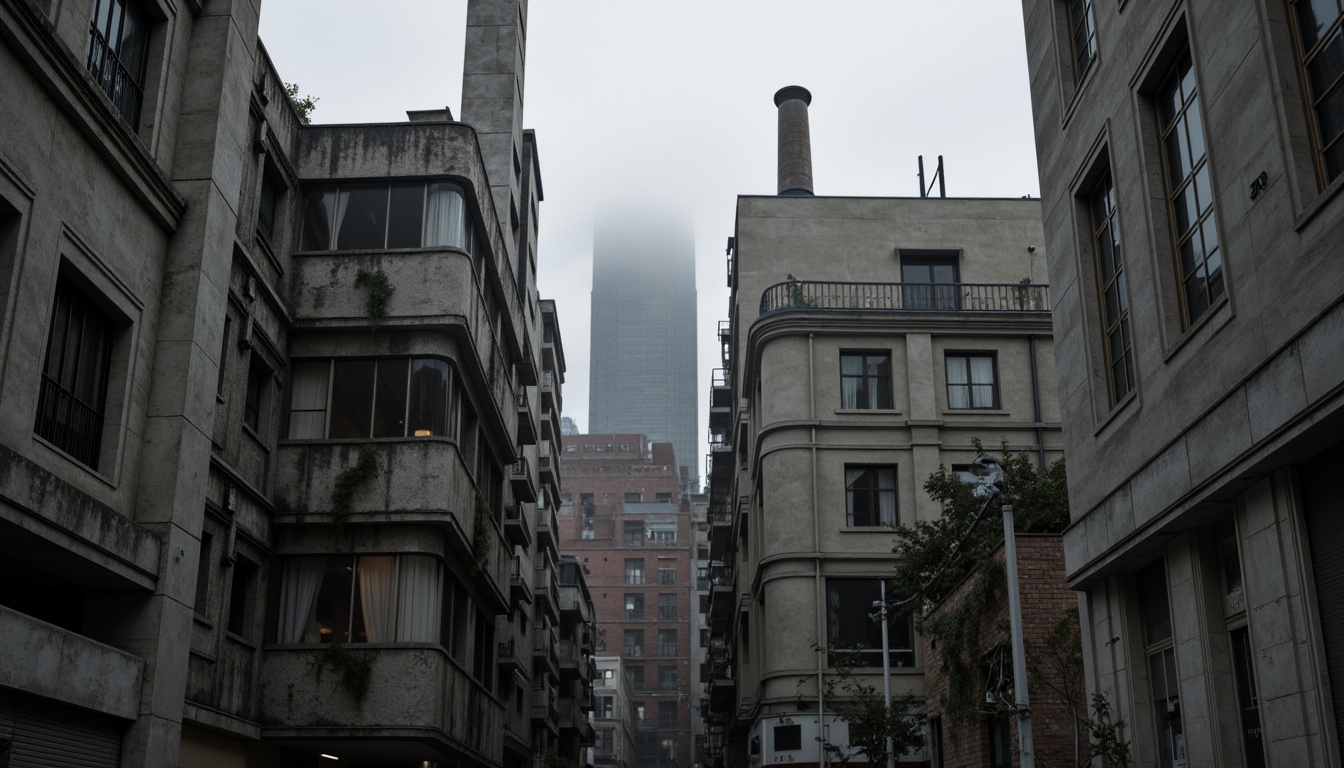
point(863, 706)
point(303, 105)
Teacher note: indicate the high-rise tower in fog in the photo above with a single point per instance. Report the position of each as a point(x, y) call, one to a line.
point(643, 374)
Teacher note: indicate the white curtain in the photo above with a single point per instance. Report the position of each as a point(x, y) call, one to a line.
point(445, 217)
point(377, 596)
point(886, 496)
point(419, 600)
point(982, 379)
point(308, 400)
point(958, 391)
point(342, 204)
point(298, 590)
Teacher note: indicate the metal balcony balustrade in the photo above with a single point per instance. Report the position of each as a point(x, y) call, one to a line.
point(816, 295)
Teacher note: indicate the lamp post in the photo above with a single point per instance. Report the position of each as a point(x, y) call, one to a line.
point(987, 466)
point(881, 606)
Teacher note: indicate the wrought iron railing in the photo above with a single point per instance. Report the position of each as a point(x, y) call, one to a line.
point(72, 425)
point(120, 84)
point(906, 297)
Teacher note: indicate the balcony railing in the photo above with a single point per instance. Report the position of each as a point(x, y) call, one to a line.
point(906, 297)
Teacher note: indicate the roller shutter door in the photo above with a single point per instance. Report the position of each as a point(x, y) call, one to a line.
point(45, 734)
point(1323, 508)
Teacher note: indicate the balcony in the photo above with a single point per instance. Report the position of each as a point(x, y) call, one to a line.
point(518, 525)
point(722, 687)
point(720, 463)
point(571, 661)
point(720, 402)
point(572, 718)
point(572, 605)
point(545, 707)
point(550, 393)
point(546, 591)
point(720, 528)
point(510, 660)
point(548, 466)
point(418, 696)
point(527, 418)
point(524, 485)
point(45, 660)
point(547, 530)
point(814, 296)
point(520, 583)
point(544, 652)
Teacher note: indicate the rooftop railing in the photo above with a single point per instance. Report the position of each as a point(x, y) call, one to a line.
point(906, 297)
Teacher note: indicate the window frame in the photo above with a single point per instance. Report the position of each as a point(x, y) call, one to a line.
point(452, 605)
point(967, 355)
point(873, 492)
point(867, 380)
point(46, 423)
point(455, 406)
point(1087, 19)
point(1303, 59)
point(96, 62)
point(1102, 199)
point(869, 656)
point(312, 199)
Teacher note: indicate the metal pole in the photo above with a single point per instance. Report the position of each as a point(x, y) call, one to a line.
point(886, 664)
point(1027, 756)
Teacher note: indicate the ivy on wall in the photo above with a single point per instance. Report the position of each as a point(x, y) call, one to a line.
point(380, 292)
point(349, 480)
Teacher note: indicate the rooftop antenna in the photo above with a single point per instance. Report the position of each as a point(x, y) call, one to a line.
point(938, 174)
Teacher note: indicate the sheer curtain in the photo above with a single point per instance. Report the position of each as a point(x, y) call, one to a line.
point(982, 378)
point(445, 216)
point(298, 590)
point(958, 388)
point(308, 400)
point(377, 596)
point(886, 496)
point(419, 600)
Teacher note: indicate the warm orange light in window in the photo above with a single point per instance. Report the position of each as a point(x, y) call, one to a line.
point(423, 433)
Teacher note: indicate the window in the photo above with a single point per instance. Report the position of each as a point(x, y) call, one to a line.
point(266, 199)
point(633, 643)
point(118, 50)
point(1154, 602)
point(634, 570)
point(1111, 292)
point(865, 380)
point(667, 576)
point(1084, 29)
point(633, 498)
point(1000, 743)
point(1320, 51)
point(350, 217)
point(971, 381)
point(241, 602)
point(606, 707)
point(849, 602)
point(667, 640)
point(203, 569)
point(633, 532)
point(634, 677)
point(667, 710)
point(667, 607)
point(787, 738)
point(870, 496)
point(361, 599)
point(483, 650)
point(930, 281)
point(1189, 192)
point(257, 374)
point(663, 534)
point(634, 607)
point(388, 397)
point(74, 375)
point(663, 498)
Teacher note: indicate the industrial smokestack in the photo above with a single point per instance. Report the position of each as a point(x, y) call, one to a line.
point(795, 141)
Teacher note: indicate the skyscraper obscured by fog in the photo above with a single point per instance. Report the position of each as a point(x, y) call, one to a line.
point(643, 374)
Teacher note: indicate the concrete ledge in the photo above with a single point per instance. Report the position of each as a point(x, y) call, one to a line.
point(44, 660)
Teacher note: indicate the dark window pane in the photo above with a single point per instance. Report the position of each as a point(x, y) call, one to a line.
point(319, 209)
point(389, 410)
point(404, 215)
point(74, 378)
point(256, 385)
point(351, 399)
point(266, 208)
point(361, 218)
point(430, 388)
point(1313, 18)
point(333, 600)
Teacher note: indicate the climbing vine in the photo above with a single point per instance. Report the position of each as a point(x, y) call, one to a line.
point(355, 669)
point(798, 295)
point(380, 291)
point(350, 478)
point(956, 632)
point(481, 538)
point(863, 706)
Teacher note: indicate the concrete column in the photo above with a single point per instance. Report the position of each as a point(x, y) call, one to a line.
point(795, 141)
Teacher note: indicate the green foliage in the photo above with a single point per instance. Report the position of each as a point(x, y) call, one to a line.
point(797, 296)
point(355, 669)
point(1057, 666)
point(1106, 739)
point(380, 291)
point(556, 761)
point(956, 632)
point(350, 478)
point(304, 105)
point(863, 706)
point(481, 540)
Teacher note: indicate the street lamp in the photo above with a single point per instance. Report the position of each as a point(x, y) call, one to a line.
point(881, 615)
point(988, 467)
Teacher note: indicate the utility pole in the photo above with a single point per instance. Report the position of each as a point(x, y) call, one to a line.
point(881, 606)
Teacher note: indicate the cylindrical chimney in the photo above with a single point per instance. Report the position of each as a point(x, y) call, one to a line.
point(795, 141)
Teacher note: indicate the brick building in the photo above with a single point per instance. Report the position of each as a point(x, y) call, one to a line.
point(624, 518)
point(987, 736)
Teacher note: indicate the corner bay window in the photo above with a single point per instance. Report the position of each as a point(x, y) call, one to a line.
point(356, 217)
point(360, 599)
point(849, 602)
point(118, 50)
point(388, 397)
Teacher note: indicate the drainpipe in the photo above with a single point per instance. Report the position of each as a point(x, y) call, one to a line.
point(1036, 401)
point(819, 593)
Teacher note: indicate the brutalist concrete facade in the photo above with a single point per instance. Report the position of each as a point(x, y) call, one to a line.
point(1205, 539)
point(852, 323)
point(219, 546)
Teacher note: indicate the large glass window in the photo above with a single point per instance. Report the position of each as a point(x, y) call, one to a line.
point(1155, 604)
point(1320, 50)
point(1110, 267)
point(667, 642)
point(74, 375)
point(667, 607)
point(634, 606)
point(387, 397)
point(970, 381)
point(865, 380)
point(353, 217)
point(118, 50)
point(633, 645)
point(849, 603)
point(870, 496)
point(634, 570)
point(930, 281)
point(1189, 192)
point(360, 599)
point(1083, 26)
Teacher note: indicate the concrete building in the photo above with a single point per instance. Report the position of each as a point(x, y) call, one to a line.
point(278, 403)
point(868, 341)
point(699, 503)
point(613, 716)
point(642, 374)
point(1190, 163)
point(626, 521)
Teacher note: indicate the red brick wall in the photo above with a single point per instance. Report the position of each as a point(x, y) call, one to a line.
point(1045, 599)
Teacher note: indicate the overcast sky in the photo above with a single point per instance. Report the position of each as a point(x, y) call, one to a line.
point(672, 99)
